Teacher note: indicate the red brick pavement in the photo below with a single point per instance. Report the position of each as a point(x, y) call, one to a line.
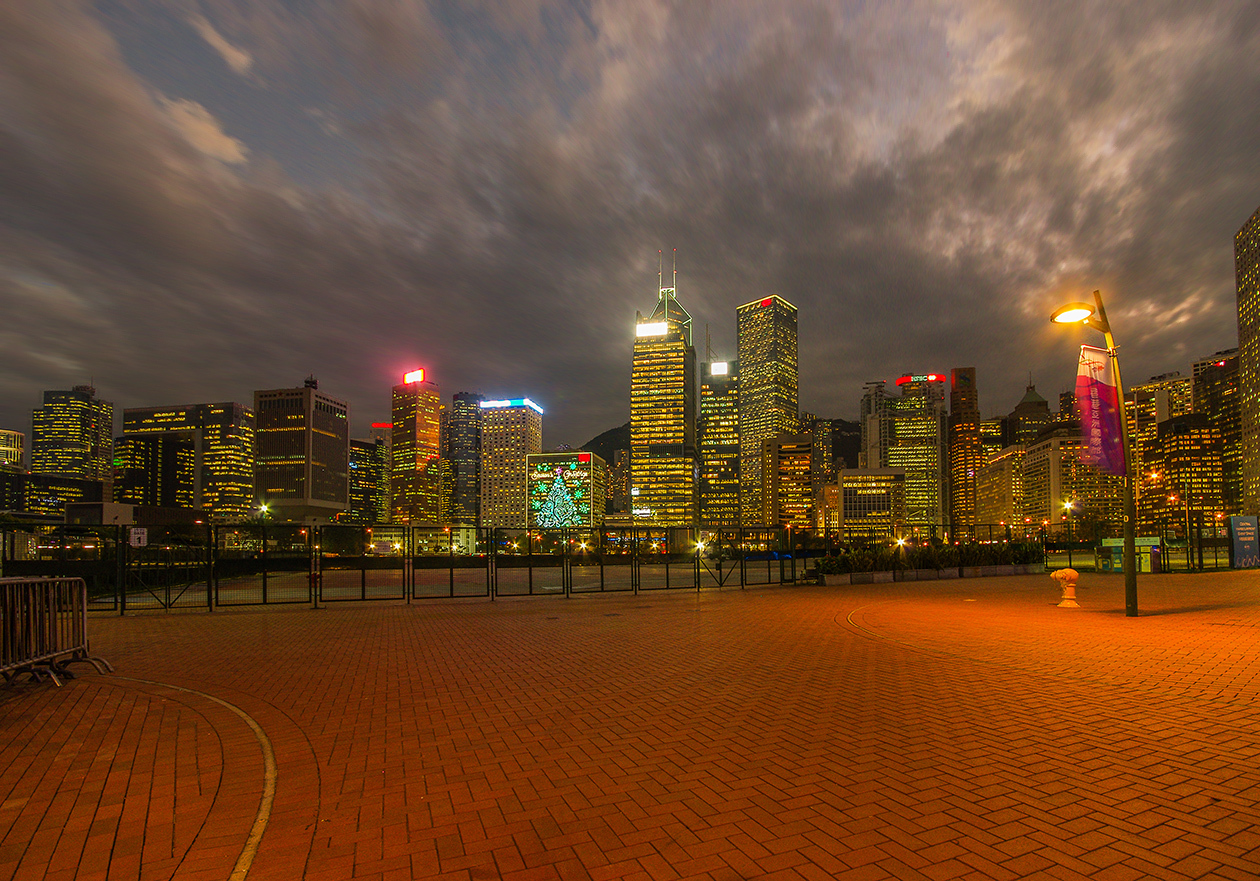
point(932, 730)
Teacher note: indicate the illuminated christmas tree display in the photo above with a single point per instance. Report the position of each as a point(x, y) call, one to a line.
point(558, 511)
point(565, 490)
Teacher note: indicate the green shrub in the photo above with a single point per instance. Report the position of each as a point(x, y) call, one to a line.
point(936, 555)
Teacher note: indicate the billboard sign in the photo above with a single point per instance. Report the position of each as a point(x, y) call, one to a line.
point(560, 491)
point(1244, 545)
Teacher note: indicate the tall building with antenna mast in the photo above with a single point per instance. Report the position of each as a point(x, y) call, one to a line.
point(663, 412)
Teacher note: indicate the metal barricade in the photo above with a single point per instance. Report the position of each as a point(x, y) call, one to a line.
point(44, 627)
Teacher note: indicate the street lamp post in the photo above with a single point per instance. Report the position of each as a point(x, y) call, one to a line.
point(1068, 510)
point(1096, 317)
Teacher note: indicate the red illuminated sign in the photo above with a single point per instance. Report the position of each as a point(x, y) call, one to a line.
point(767, 301)
point(921, 377)
point(584, 457)
point(382, 425)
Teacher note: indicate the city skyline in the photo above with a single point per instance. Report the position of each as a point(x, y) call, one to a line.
point(200, 205)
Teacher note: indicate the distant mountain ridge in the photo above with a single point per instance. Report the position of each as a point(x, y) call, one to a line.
point(606, 444)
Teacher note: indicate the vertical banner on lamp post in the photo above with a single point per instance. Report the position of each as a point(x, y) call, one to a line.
point(1102, 443)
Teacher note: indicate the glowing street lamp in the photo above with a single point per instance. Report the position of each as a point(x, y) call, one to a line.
point(1096, 317)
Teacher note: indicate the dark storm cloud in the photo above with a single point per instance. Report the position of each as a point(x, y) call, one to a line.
point(923, 181)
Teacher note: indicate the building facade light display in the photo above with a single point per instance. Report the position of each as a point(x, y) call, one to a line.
point(565, 490)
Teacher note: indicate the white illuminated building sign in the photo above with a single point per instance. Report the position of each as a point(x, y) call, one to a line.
point(518, 402)
point(651, 328)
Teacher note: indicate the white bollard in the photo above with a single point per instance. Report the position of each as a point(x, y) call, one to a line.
point(1067, 581)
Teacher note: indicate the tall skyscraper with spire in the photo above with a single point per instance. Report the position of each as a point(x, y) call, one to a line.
point(767, 391)
point(1247, 277)
point(663, 414)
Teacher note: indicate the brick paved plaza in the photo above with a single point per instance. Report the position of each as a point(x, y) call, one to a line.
point(951, 729)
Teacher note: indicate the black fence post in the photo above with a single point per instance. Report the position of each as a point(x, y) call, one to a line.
point(314, 577)
point(696, 565)
point(492, 564)
point(362, 563)
point(634, 559)
point(409, 569)
point(743, 558)
point(262, 556)
point(120, 587)
point(209, 567)
point(566, 561)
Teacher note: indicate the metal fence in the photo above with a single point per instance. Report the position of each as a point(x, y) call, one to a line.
point(43, 627)
point(211, 566)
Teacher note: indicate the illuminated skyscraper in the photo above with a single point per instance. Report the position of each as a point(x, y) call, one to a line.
point(1157, 400)
point(767, 390)
point(222, 436)
point(369, 484)
point(1247, 277)
point(415, 484)
point(384, 432)
point(510, 431)
point(994, 437)
point(1183, 480)
point(823, 432)
point(1054, 478)
point(1000, 489)
point(462, 453)
point(619, 482)
point(919, 447)
point(302, 455)
point(1216, 396)
point(1146, 405)
point(966, 449)
point(50, 493)
point(787, 486)
point(718, 433)
point(1030, 415)
point(872, 502)
point(12, 450)
point(663, 416)
point(155, 470)
point(72, 435)
point(876, 426)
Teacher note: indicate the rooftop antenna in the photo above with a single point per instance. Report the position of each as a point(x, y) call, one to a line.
point(708, 349)
point(674, 283)
point(660, 279)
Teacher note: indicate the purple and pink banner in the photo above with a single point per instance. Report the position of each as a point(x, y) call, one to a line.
point(1102, 444)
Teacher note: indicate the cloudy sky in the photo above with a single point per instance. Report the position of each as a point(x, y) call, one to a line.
point(200, 199)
